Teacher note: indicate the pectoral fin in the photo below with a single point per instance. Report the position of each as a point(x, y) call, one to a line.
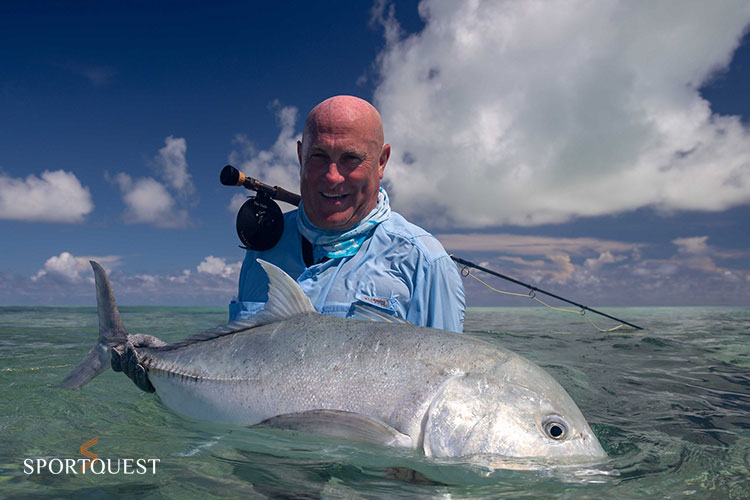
point(340, 424)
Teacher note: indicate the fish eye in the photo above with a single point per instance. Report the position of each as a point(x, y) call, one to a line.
point(555, 427)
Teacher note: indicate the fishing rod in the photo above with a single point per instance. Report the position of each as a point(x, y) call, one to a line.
point(260, 224)
point(230, 176)
point(534, 289)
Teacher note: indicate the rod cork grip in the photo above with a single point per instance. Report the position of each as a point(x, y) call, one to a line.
point(230, 176)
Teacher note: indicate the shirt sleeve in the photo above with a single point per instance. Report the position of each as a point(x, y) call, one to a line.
point(438, 299)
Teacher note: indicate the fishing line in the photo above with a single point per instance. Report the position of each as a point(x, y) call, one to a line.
point(466, 272)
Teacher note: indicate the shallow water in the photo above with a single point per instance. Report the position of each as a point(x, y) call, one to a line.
point(671, 406)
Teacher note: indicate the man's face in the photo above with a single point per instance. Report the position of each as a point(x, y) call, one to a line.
point(341, 166)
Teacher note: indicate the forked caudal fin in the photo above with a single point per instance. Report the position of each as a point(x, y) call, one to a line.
point(111, 333)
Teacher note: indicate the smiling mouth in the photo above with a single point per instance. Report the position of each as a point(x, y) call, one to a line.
point(331, 196)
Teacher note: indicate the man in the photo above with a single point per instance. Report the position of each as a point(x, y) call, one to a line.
point(343, 244)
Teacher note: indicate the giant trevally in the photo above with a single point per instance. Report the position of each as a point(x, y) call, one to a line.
point(441, 393)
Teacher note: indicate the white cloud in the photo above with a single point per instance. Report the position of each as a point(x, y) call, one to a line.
point(564, 268)
point(538, 112)
point(595, 265)
point(148, 201)
point(55, 196)
point(694, 245)
point(173, 166)
point(217, 266)
point(531, 245)
point(696, 254)
point(67, 267)
point(277, 166)
point(152, 202)
point(523, 262)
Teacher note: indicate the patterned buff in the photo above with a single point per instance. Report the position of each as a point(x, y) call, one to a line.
point(335, 244)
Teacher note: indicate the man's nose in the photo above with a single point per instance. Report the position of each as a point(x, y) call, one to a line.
point(333, 176)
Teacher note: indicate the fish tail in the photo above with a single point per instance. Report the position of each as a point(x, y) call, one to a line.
point(111, 333)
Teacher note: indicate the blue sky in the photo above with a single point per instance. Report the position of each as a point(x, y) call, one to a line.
point(600, 150)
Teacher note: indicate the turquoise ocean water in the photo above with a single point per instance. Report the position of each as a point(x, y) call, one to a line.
point(671, 405)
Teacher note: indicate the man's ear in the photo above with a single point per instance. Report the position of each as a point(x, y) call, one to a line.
point(299, 152)
point(385, 153)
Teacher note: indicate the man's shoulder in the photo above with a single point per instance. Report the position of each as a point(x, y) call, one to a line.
point(290, 217)
point(405, 233)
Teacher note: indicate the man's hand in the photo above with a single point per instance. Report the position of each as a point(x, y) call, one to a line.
point(125, 359)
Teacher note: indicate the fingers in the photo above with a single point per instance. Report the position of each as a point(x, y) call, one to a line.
point(116, 360)
point(125, 359)
point(141, 379)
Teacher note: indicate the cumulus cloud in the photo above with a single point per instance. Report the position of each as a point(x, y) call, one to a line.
point(540, 112)
point(148, 201)
point(595, 265)
point(173, 167)
point(152, 202)
point(696, 254)
point(694, 245)
point(68, 268)
point(561, 271)
point(55, 196)
point(218, 266)
point(277, 166)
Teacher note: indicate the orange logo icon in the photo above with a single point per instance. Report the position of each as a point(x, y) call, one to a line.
point(90, 454)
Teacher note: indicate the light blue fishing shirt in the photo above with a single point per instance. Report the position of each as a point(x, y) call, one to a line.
point(399, 267)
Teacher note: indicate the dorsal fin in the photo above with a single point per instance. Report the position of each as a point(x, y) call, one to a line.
point(285, 299)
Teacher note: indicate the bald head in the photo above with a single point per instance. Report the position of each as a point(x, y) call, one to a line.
point(346, 109)
point(342, 158)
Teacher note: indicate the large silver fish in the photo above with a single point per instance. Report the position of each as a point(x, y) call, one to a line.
point(441, 393)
